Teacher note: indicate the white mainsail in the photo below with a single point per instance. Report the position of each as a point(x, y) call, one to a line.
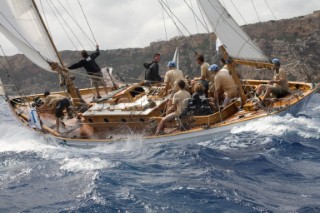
point(236, 41)
point(21, 24)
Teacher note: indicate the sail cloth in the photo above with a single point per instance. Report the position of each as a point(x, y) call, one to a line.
point(236, 41)
point(33, 120)
point(21, 25)
point(2, 92)
point(176, 57)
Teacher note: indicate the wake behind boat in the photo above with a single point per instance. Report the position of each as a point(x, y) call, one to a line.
point(133, 111)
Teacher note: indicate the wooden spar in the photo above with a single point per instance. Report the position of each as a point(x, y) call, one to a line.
point(235, 75)
point(71, 89)
point(257, 64)
point(24, 117)
point(49, 36)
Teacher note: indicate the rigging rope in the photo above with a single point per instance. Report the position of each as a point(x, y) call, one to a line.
point(24, 39)
point(238, 11)
point(248, 40)
point(205, 25)
point(87, 22)
point(195, 21)
point(8, 75)
point(303, 68)
point(170, 14)
point(63, 28)
point(55, 14)
point(255, 10)
point(75, 21)
point(45, 17)
point(164, 23)
point(6, 71)
point(179, 31)
point(167, 9)
point(275, 18)
point(70, 8)
point(195, 15)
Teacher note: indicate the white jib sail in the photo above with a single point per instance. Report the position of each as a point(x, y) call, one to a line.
point(176, 57)
point(21, 24)
point(2, 92)
point(33, 120)
point(236, 41)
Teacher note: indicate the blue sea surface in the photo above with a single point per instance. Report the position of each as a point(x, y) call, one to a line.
point(268, 165)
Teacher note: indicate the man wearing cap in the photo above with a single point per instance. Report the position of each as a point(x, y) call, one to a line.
point(278, 86)
point(57, 104)
point(172, 75)
point(50, 101)
point(223, 84)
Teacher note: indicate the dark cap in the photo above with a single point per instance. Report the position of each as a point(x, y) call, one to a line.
point(46, 93)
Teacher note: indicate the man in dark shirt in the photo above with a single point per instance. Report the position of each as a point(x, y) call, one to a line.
point(152, 69)
point(92, 68)
point(61, 106)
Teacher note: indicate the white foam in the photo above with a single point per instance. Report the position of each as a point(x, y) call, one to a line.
point(121, 147)
point(85, 164)
point(316, 108)
point(20, 139)
point(266, 128)
point(280, 125)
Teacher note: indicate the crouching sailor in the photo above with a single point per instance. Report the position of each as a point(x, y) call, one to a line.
point(62, 106)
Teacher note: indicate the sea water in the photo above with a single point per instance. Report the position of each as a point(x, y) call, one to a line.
point(268, 165)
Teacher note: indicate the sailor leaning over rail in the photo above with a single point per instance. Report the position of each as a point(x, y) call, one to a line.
point(63, 106)
point(49, 102)
point(58, 105)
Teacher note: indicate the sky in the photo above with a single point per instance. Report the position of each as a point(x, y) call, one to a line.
point(117, 24)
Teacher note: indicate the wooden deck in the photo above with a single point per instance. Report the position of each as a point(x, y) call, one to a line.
point(110, 126)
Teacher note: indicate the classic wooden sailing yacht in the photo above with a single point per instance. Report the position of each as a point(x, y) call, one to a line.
point(133, 111)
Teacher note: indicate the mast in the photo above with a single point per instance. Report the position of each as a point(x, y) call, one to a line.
point(47, 31)
point(71, 89)
point(234, 74)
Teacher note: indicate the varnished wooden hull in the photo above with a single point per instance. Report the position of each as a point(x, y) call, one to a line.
point(204, 129)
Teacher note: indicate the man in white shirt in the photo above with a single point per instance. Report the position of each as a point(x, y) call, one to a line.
point(179, 103)
point(224, 84)
point(278, 86)
point(172, 75)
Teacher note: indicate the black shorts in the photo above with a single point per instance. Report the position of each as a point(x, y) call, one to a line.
point(61, 105)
